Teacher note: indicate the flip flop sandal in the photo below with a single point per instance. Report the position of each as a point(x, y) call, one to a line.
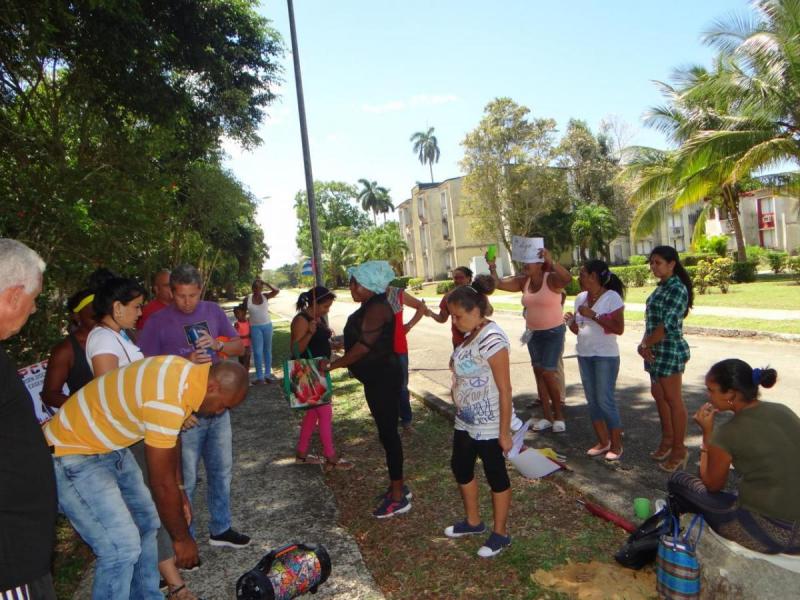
point(339, 465)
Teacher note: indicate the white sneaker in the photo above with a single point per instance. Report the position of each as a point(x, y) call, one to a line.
point(543, 424)
point(559, 427)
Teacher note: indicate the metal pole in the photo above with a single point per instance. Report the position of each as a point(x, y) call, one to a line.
point(301, 108)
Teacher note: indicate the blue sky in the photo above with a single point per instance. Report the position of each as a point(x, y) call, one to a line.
point(375, 72)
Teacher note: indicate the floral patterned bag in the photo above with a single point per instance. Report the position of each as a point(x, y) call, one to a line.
point(304, 385)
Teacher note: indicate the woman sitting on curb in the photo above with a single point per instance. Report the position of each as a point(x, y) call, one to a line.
point(762, 441)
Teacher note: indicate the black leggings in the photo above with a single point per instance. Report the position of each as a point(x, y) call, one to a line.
point(721, 511)
point(383, 390)
point(465, 453)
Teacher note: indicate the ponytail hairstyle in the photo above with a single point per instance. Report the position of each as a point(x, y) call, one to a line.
point(116, 289)
point(306, 299)
point(466, 271)
point(735, 374)
point(669, 254)
point(607, 279)
point(474, 295)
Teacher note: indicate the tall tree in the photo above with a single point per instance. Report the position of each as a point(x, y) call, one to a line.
point(338, 253)
point(374, 198)
point(426, 147)
point(510, 182)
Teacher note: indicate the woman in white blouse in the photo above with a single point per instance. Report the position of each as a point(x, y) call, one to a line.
point(598, 319)
point(118, 305)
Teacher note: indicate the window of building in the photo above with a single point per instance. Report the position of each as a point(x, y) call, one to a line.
point(445, 220)
point(678, 244)
point(421, 208)
point(644, 247)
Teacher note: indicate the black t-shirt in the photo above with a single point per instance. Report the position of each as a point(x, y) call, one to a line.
point(27, 485)
point(373, 326)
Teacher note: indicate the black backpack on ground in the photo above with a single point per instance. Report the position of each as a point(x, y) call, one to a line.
point(642, 545)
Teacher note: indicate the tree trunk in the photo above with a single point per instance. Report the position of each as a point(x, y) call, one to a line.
point(731, 199)
point(430, 164)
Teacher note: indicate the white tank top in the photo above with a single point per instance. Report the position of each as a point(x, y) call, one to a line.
point(259, 313)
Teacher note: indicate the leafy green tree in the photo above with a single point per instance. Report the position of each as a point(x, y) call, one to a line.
point(510, 182)
point(336, 204)
point(382, 243)
point(593, 228)
point(426, 146)
point(374, 198)
point(111, 117)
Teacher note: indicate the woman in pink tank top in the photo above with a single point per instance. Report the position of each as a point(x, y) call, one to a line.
point(541, 285)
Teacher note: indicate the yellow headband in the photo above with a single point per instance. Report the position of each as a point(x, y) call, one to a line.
point(83, 303)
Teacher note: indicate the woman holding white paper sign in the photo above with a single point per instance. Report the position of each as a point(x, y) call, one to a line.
point(541, 283)
point(482, 395)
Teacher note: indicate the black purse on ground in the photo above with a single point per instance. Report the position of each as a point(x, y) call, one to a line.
point(641, 547)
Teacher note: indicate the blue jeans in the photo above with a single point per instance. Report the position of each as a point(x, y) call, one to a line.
point(405, 397)
point(261, 341)
point(211, 440)
point(599, 379)
point(106, 500)
point(546, 346)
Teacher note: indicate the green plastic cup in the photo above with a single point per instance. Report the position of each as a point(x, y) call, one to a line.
point(491, 252)
point(641, 508)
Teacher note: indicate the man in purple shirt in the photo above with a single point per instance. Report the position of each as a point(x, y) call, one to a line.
point(189, 327)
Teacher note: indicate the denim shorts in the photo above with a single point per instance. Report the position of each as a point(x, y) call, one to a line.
point(546, 346)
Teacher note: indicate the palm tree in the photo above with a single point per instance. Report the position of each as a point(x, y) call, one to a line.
point(671, 180)
point(426, 146)
point(764, 56)
point(338, 253)
point(593, 229)
point(374, 198)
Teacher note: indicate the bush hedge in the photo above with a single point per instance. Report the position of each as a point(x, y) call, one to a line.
point(416, 283)
point(689, 259)
point(633, 276)
point(400, 282)
point(744, 272)
point(793, 265)
point(713, 274)
point(777, 261)
point(637, 260)
point(444, 286)
point(573, 288)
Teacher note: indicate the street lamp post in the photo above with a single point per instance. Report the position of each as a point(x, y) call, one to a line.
point(301, 108)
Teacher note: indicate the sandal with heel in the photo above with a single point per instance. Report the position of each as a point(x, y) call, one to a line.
point(672, 465)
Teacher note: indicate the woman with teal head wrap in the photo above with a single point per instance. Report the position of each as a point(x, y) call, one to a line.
point(370, 358)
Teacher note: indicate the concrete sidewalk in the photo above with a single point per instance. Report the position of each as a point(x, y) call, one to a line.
point(275, 502)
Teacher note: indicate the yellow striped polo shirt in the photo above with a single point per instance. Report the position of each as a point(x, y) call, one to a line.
point(148, 399)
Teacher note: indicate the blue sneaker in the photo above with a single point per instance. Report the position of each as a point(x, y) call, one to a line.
point(463, 528)
point(390, 508)
point(494, 545)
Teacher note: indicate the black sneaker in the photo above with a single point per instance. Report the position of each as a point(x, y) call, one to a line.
point(406, 493)
point(230, 538)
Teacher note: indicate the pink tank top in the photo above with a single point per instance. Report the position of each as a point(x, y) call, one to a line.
point(542, 308)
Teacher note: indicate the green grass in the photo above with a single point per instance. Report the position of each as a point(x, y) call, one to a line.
point(409, 556)
point(780, 293)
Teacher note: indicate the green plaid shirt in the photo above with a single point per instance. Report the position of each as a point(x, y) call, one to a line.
point(666, 306)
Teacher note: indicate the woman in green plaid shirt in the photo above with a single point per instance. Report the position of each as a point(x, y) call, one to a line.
point(665, 353)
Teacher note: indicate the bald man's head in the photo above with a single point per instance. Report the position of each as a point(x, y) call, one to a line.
point(227, 387)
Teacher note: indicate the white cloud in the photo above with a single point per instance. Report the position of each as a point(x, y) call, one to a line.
point(413, 102)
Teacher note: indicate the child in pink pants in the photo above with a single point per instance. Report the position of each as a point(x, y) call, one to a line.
point(310, 336)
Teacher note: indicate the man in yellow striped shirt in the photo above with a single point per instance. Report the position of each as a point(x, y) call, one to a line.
point(100, 487)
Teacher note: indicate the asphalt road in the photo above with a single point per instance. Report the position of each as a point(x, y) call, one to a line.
point(430, 348)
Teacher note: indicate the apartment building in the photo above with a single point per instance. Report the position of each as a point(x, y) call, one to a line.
point(438, 233)
point(674, 229)
point(767, 219)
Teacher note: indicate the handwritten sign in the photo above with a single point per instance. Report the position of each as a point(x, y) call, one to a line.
point(33, 378)
point(526, 250)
